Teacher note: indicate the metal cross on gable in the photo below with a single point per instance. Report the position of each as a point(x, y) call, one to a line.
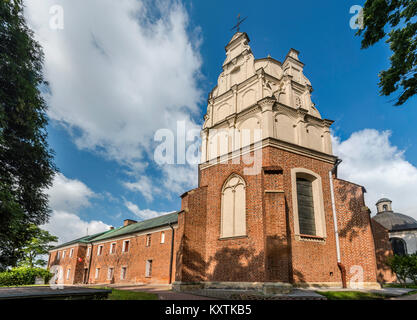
point(239, 22)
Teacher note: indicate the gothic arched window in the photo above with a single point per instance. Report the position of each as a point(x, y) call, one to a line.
point(398, 246)
point(233, 207)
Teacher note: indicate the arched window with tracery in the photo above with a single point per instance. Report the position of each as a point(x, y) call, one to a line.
point(233, 207)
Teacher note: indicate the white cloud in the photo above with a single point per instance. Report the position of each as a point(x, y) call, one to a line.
point(66, 197)
point(68, 194)
point(178, 177)
point(145, 186)
point(145, 213)
point(370, 159)
point(118, 71)
point(68, 226)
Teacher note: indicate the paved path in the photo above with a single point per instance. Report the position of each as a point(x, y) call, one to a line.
point(46, 292)
point(164, 292)
point(389, 292)
point(409, 297)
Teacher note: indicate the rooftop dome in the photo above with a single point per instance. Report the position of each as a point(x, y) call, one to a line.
point(383, 200)
point(393, 221)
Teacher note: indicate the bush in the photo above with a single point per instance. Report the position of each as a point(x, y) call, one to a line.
point(23, 276)
point(405, 267)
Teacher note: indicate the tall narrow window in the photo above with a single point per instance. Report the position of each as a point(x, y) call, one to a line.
point(126, 246)
point(88, 251)
point(162, 237)
point(58, 255)
point(113, 248)
point(68, 273)
point(148, 240)
point(233, 216)
point(305, 200)
point(97, 273)
point(110, 273)
point(99, 250)
point(148, 271)
point(123, 273)
point(63, 254)
point(308, 205)
point(71, 253)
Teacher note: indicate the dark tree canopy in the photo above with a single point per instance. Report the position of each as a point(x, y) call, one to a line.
point(26, 161)
point(396, 19)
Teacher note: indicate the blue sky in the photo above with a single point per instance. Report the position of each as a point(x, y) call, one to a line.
point(108, 165)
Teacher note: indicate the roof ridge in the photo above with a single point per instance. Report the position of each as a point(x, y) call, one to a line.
point(122, 230)
point(158, 217)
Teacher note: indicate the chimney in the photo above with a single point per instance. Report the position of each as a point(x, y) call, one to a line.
point(111, 228)
point(127, 222)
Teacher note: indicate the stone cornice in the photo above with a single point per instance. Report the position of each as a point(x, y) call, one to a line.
point(273, 142)
point(302, 112)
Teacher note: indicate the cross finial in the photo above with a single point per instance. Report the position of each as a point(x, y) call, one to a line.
point(239, 22)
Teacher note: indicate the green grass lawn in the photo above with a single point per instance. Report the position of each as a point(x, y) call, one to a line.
point(129, 295)
point(397, 285)
point(351, 295)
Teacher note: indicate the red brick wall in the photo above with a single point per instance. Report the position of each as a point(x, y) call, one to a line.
point(383, 252)
point(191, 236)
point(355, 232)
point(234, 259)
point(77, 267)
point(134, 260)
point(270, 252)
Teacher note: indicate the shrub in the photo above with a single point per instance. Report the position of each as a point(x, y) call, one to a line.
point(405, 267)
point(23, 276)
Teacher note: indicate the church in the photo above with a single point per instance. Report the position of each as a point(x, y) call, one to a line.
point(402, 228)
point(269, 212)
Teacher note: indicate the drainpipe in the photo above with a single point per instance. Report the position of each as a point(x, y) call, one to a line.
point(336, 231)
point(172, 253)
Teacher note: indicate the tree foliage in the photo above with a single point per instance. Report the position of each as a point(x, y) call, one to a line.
point(397, 20)
point(405, 267)
point(23, 276)
point(38, 245)
point(26, 161)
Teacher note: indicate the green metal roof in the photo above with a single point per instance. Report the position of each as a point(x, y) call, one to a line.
point(140, 226)
point(85, 239)
point(135, 227)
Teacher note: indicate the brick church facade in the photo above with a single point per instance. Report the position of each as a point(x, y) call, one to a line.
point(269, 211)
